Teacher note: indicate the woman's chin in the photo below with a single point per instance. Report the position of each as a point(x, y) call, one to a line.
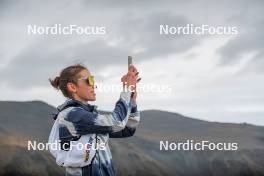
point(92, 99)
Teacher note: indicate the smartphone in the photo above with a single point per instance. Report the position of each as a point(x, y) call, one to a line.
point(129, 61)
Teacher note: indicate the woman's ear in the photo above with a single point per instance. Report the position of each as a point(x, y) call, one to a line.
point(71, 87)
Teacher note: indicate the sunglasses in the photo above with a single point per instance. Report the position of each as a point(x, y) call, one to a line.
point(89, 80)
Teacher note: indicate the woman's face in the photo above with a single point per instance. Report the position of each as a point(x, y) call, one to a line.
point(84, 91)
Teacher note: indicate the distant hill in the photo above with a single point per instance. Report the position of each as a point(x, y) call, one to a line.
point(138, 155)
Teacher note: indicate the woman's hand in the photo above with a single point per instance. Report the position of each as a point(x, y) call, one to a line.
point(134, 95)
point(130, 80)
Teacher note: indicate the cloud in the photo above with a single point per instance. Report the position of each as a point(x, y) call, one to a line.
point(144, 32)
point(203, 88)
point(137, 36)
point(250, 23)
point(42, 59)
point(250, 41)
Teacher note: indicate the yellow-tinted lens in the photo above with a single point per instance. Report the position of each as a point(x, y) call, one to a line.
point(91, 80)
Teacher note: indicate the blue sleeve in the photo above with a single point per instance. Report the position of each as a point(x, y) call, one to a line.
point(126, 132)
point(131, 125)
point(85, 122)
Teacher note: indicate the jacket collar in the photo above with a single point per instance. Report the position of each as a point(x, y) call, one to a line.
point(74, 103)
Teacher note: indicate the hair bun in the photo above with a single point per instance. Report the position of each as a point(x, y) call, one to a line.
point(55, 82)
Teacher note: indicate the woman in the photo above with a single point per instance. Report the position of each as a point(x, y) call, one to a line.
point(79, 121)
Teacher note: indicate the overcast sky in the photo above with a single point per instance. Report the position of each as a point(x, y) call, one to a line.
point(213, 77)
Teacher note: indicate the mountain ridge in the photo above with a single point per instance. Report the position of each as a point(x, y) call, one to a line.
point(138, 155)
